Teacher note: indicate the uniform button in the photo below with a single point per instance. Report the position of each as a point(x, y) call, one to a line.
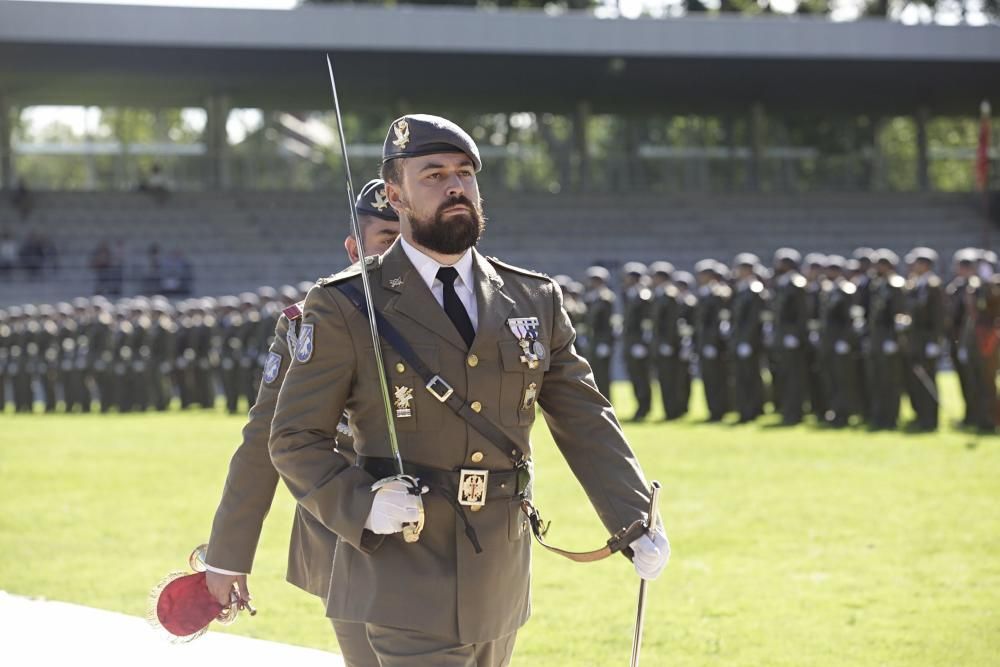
point(400, 368)
point(476, 406)
point(476, 508)
point(473, 360)
point(476, 457)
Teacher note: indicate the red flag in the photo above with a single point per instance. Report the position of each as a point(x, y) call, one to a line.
point(983, 154)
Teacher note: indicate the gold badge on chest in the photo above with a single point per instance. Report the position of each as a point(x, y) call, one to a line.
point(404, 396)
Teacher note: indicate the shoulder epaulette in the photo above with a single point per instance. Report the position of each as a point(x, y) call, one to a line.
point(372, 262)
point(517, 269)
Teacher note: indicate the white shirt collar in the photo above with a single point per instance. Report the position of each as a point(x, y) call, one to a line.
point(428, 267)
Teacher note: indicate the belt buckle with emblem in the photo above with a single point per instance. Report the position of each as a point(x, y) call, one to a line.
point(526, 330)
point(472, 487)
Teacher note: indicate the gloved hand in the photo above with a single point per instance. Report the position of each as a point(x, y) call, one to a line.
point(638, 351)
point(394, 505)
point(791, 342)
point(709, 352)
point(743, 350)
point(603, 350)
point(651, 553)
point(932, 350)
point(841, 347)
point(889, 347)
point(666, 350)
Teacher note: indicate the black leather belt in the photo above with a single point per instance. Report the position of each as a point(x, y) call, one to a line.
point(500, 484)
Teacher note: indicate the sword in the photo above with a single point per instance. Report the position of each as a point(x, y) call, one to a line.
point(927, 382)
point(640, 616)
point(411, 531)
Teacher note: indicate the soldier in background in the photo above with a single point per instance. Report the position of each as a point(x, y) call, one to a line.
point(683, 281)
point(746, 309)
point(667, 339)
point(163, 353)
point(964, 262)
point(637, 301)
point(600, 303)
point(790, 325)
point(839, 347)
point(925, 336)
point(49, 349)
point(5, 335)
point(711, 328)
point(886, 319)
point(979, 340)
point(814, 266)
point(229, 341)
point(862, 279)
point(251, 335)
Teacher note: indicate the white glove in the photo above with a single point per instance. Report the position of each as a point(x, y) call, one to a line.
point(651, 553)
point(963, 355)
point(743, 350)
point(889, 347)
point(791, 342)
point(638, 351)
point(709, 352)
point(814, 338)
point(666, 350)
point(394, 505)
point(932, 350)
point(841, 347)
point(603, 350)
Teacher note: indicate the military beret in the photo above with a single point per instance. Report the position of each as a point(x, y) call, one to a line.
point(814, 259)
point(372, 200)
point(249, 298)
point(575, 288)
point(305, 286)
point(65, 309)
point(267, 292)
point(562, 280)
point(15, 312)
point(746, 259)
point(926, 254)
point(835, 261)
point(683, 278)
point(46, 310)
point(966, 256)
point(599, 272)
point(289, 293)
point(852, 265)
point(885, 256)
point(863, 253)
point(721, 269)
point(787, 255)
point(663, 268)
point(208, 303)
point(705, 266)
point(81, 303)
point(421, 134)
point(229, 301)
point(634, 268)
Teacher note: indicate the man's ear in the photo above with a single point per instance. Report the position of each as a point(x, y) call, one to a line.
point(351, 246)
point(395, 196)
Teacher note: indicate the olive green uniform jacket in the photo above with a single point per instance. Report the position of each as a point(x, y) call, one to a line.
point(440, 586)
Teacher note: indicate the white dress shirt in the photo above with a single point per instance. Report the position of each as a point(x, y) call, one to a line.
point(427, 267)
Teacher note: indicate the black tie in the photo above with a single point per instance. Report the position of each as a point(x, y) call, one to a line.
point(453, 305)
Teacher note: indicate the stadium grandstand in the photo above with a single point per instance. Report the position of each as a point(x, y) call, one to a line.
point(605, 139)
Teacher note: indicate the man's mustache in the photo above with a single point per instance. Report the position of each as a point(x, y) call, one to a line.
point(456, 201)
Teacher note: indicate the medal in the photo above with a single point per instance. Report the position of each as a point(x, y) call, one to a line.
point(528, 402)
point(526, 331)
point(404, 395)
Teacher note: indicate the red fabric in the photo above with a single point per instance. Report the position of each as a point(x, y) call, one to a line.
point(983, 154)
point(185, 606)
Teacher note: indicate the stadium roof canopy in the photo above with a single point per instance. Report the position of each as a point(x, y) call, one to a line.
point(430, 57)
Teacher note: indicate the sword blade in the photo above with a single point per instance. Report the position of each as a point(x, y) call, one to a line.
point(640, 615)
point(366, 287)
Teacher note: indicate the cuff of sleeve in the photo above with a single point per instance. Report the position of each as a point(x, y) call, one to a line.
point(219, 570)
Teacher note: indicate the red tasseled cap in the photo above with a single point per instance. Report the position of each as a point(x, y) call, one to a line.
point(185, 606)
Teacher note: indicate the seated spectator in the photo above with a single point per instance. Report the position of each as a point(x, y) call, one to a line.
point(156, 184)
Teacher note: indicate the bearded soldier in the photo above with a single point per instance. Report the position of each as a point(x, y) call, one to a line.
point(495, 341)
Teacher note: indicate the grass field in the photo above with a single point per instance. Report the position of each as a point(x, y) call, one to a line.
point(799, 546)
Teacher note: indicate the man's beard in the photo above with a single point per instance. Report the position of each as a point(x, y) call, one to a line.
point(451, 236)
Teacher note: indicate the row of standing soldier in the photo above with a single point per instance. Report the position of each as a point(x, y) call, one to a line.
point(139, 353)
point(842, 338)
